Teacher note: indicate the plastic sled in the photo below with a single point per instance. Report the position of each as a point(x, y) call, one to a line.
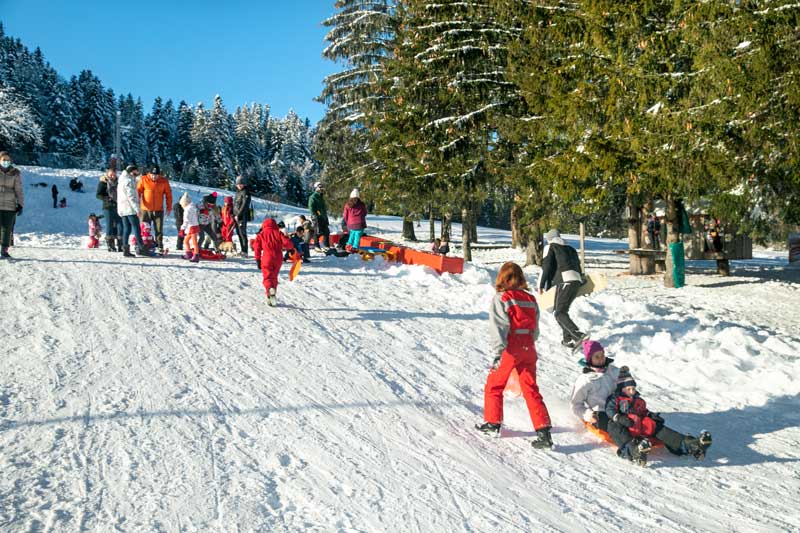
point(209, 255)
point(513, 389)
point(296, 264)
point(607, 438)
point(595, 282)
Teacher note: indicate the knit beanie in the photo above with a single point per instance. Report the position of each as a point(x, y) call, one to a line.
point(354, 193)
point(552, 234)
point(185, 200)
point(625, 379)
point(590, 347)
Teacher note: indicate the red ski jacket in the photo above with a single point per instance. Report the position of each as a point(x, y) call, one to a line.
point(269, 244)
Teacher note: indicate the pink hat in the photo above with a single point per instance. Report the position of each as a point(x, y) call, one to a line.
point(590, 347)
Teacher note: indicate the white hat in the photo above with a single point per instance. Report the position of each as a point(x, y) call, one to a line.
point(354, 193)
point(185, 200)
point(552, 234)
point(318, 185)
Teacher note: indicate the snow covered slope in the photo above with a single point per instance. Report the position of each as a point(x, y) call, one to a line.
point(157, 395)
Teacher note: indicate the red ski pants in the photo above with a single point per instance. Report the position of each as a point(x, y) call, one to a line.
point(269, 272)
point(521, 356)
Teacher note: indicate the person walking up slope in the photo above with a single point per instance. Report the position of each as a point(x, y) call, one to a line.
point(267, 248)
point(513, 327)
point(562, 268)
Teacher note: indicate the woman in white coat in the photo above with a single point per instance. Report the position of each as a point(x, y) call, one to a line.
point(128, 209)
point(594, 385)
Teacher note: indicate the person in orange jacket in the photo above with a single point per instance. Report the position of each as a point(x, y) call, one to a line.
point(267, 248)
point(153, 189)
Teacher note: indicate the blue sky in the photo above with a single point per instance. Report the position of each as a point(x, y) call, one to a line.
point(266, 51)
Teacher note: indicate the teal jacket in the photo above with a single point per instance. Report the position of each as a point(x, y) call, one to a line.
point(316, 204)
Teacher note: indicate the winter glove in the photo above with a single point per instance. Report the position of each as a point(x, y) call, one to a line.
point(495, 363)
point(19, 210)
point(656, 417)
point(622, 420)
point(590, 416)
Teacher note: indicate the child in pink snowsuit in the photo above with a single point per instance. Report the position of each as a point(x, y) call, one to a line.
point(95, 230)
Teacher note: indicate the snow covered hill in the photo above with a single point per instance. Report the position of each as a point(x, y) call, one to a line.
point(156, 395)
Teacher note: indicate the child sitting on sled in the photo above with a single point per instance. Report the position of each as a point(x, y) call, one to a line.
point(628, 413)
point(147, 237)
point(95, 230)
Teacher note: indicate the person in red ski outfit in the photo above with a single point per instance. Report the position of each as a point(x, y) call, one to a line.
point(228, 222)
point(268, 249)
point(514, 327)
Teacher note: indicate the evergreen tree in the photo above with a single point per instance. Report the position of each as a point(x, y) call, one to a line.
point(183, 137)
point(18, 122)
point(158, 134)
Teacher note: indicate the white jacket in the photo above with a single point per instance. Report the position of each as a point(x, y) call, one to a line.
point(591, 390)
point(189, 217)
point(127, 198)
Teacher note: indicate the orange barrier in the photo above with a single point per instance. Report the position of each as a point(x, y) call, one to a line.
point(410, 256)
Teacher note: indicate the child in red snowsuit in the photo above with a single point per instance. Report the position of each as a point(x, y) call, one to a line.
point(95, 230)
point(267, 248)
point(228, 222)
point(627, 410)
point(514, 326)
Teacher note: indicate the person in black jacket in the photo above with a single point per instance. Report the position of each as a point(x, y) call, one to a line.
point(107, 192)
point(54, 191)
point(561, 268)
point(177, 210)
point(241, 211)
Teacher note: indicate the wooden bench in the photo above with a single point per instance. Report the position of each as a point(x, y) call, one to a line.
point(659, 256)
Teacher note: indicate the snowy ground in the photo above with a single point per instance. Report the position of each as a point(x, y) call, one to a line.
point(158, 395)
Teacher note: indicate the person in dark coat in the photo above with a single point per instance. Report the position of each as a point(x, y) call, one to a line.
point(177, 209)
point(561, 268)
point(107, 193)
point(319, 215)
point(241, 211)
point(54, 191)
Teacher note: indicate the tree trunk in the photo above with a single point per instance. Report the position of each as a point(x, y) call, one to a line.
point(431, 222)
point(473, 222)
point(515, 237)
point(447, 226)
point(408, 228)
point(672, 222)
point(466, 233)
point(534, 245)
point(632, 212)
point(647, 262)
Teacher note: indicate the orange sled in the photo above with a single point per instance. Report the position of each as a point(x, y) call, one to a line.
point(607, 438)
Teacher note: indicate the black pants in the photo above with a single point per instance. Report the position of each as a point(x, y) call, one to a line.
point(323, 230)
point(208, 230)
point(241, 231)
point(55, 202)
point(7, 219)
point(565, 295)
point(157, 220)
point(673, 441)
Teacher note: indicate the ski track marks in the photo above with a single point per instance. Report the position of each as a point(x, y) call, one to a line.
point(155, 395)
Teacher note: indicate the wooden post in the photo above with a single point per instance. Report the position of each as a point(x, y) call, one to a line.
point(583, 247)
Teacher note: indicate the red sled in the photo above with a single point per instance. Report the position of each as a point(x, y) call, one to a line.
point(607, 438)
point(208, 255)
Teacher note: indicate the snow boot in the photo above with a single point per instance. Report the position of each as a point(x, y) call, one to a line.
point(110, 244)
point(543, 439)
point(195, 258)
point(4, 253)
point(119, 244)
point(126, 252)
point(636, 451)
point(187, 255)
point(492, 430)
point(271, 300)
point(696, 447)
